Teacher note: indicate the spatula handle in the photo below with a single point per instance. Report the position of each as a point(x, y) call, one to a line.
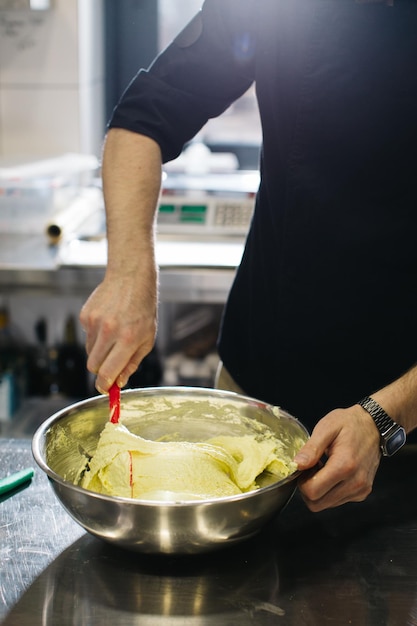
point(114, 402)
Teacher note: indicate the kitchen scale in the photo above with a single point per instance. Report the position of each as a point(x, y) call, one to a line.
point(209, 205)
point(202, 222)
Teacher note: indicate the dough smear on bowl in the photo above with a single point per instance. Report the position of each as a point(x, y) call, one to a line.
point(127, 465)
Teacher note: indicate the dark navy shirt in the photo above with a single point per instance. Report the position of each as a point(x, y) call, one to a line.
point(323, 309)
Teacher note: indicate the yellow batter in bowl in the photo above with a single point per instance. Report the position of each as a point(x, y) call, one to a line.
point(130, 466)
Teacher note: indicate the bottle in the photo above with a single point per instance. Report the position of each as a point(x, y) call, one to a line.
point(12, 367)
point(39, 366)
point(71, 364)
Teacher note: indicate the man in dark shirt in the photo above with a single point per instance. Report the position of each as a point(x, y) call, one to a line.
point(323, 308)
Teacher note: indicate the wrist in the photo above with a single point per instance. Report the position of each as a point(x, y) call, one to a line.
point(399, 399)
point(392, 435)
point(134, 260)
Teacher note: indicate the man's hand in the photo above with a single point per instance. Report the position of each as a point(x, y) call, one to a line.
point(350, 441)
point(120, 319)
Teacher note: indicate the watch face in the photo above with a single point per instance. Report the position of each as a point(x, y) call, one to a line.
point(395, 441)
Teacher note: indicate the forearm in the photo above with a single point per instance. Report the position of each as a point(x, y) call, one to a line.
point(399, 399)
point(120, 316)
point(131, 185)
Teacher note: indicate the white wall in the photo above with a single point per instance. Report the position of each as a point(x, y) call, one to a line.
point(51, 80)
point(51, 103)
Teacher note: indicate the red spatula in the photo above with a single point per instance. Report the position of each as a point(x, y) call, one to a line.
point(114, 402)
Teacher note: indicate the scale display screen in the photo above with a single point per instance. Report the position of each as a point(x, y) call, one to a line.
point(183, 213)
point(214, 215)
point(212, 204)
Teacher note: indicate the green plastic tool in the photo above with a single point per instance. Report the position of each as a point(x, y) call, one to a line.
point(15, 480)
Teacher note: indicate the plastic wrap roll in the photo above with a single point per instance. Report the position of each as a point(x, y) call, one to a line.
point(72, 220)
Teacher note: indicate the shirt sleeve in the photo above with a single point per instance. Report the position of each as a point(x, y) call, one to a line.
point(207, 67)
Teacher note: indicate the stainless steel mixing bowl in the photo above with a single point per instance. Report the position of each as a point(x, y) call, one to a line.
point(64, 442)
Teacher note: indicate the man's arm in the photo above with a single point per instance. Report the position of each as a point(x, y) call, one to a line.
point(351, 442)
point(120, 316)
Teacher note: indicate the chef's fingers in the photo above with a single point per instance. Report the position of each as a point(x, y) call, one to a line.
point(131, 368)
point(309, 455)
point(120, 363)
point(315, 449)
point(121, 379)
point(90, 340)
point(116, 350)
point(116, 361)
point(350, 441)
point(120, 325)
point(100, 341)
point(341, 494)
point(336, 483)
point(110, 347)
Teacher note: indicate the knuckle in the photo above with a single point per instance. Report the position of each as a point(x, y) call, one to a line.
point(310, 491)
point(104, 376)
point(128, 337)
point(92, 366)
point(108, 327)
point(131, 369)
point(363, 486)
point(349, 467)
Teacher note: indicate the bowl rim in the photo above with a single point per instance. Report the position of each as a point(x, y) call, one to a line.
point(43, 428)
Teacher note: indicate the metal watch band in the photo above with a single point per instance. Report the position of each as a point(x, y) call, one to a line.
point(381, 418)
point(392, 435)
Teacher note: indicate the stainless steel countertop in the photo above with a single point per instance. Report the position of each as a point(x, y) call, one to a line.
point(190, 271)
point(356, 564)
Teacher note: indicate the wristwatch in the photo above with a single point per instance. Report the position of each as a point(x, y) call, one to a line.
point(392, 434)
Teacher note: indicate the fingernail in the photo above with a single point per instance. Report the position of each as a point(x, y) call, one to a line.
point(301, 459)
point(100, 390)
